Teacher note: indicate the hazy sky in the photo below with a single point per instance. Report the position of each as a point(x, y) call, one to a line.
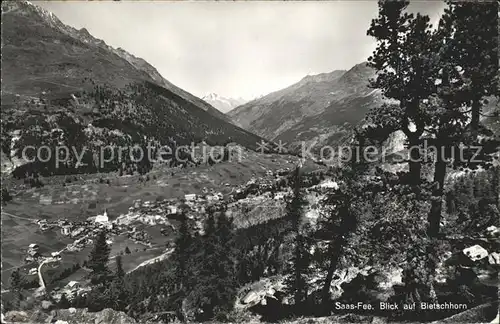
point(234, 48)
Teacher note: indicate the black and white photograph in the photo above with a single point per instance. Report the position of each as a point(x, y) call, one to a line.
point(292, 162)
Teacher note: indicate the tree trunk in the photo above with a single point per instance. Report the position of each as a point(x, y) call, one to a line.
point(298, 294)
point(476, 108)
point(334, 260)
point(434, 217)
point(347, 225)
point(415, 163)
point(496, 186)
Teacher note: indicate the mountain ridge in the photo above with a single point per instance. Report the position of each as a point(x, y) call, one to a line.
point(147, 71)
point(59, 79)
point(320, 109)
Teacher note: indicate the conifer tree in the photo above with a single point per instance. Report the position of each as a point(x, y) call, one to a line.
point(466, 75)
point(182, 244)
point(120, 273)
point(403, 60)
point(475, 40)
point(213, 284)
point(297, 282)
point(342, 220)
point(63, 302)
point(16, 284)
point(98, 260)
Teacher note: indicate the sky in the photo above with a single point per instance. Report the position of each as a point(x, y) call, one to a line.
point(235, 49)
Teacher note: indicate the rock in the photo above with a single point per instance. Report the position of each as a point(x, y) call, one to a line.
point(39, 316)
point(251, 297)
point(493, 231)
point(480, 314)
point(46, 304)
point(494, 258)
point(378, 320)
point(390, 278)
point(16, 316)
point(475, 252)
point(106, 316)
point(258, 292)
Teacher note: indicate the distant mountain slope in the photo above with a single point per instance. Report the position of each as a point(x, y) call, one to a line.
point(223, 104)
point(39, 52)
point(319, 109)
point(57, 80)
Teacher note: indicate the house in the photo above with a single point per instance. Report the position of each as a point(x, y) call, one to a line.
point(106, 225)
point(56, 255)
point(212, 198)
point(73, 285)
point(77, 232)
point(279, 196)
point(102, 218)
point(171, 209)
point(29, 259)
point(62, 222)
point(66, 230)
point(33, 271)
point(33, 249)
point(190, 197)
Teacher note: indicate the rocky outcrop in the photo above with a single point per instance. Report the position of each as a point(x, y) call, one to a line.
point(258, 292)
point(346, 279)
point(69, 316)
point(16, 317)
point(486, 313)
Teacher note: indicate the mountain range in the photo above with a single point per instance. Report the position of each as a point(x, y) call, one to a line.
point(50, 69)
point(68, 55)
point(318, 110)
point(223, 104)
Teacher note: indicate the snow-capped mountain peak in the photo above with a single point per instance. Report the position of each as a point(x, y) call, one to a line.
point(223, 104)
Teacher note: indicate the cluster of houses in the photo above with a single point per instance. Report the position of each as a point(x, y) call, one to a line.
point(83, 232)
point(161, 212)
point(33, 253)
point(71, 290)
